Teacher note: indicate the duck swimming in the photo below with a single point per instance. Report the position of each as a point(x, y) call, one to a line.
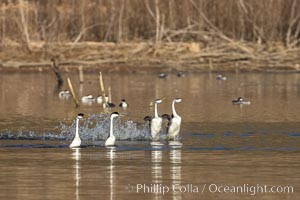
point(87, 99)
point(240, 101)
point(101, 100)
point(221, 77)
point(162, 75)
point(180, 74)
point(123, 104)
point(64, 94)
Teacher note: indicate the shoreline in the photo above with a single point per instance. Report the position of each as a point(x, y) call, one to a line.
point(144, 57)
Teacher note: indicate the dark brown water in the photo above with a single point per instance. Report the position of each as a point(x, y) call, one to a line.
point(236, 149)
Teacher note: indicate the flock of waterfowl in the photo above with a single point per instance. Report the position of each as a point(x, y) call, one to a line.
point(88, 99)
point(155, 123)
point(173, 127)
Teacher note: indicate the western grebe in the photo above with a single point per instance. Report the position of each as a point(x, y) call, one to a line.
point(88, 98)
point(240, 101)
point(76, 141)
point(156, 122)
point(64, 94)
point(221, 77)
point(123, 104)
point(110, 141)
point(174, 127)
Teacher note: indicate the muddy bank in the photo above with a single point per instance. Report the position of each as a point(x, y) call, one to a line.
point(142, 57)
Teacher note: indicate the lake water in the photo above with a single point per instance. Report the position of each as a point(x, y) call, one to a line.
point(228, 152)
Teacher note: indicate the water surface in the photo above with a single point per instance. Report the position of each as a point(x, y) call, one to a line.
point(223, 144)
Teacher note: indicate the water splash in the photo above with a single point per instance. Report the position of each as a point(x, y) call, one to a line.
point(93, 128)
point(96, 128)
point(31, 135)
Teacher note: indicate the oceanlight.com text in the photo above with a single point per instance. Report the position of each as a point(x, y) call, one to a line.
point(248, 189)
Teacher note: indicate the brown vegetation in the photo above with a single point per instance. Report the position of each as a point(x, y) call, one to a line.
point(170, 32)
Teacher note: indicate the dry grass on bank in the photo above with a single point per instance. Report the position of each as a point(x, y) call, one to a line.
point(182, 35)
point(216, 56)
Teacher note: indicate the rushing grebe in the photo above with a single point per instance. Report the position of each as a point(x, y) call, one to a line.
point(110, 141)
point(175, 123)
point(156, 122)
point(76, 141)
point(240, 101)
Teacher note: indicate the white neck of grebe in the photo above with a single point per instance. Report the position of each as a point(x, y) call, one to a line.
point(155, 110)
point(173, 109)
point(111, 127)
point(77, 132)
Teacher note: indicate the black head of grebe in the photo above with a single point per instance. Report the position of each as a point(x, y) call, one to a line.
point(114, 114)
point(80, 115)
point(177, 100)
point(147, 118)
point(158, 101)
